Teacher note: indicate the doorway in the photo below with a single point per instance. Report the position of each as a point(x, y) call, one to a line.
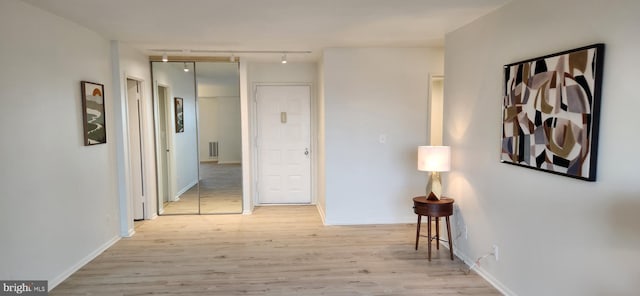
point(284, 143)
point(136, 165)
point(163, 149)
point(436, 95)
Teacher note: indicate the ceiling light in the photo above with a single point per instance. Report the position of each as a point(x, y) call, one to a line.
point(164, 57)
point(284, 58)
point(186, 69)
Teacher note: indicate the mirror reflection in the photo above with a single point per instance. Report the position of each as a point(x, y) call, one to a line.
point(220, 137)
point(198, 137)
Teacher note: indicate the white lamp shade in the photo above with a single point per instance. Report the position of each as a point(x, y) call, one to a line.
point(434, 158)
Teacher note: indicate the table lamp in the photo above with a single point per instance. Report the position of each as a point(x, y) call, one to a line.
point(434, 159)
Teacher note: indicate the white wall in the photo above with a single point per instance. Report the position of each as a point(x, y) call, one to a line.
point(371, 93)
point(216, 87)
point(185, 144)
point(219, 109)
point(59, 202)
point(228, 123)
point(283, 73)
point(220, 121)
point(207, 127)
point(557, 235)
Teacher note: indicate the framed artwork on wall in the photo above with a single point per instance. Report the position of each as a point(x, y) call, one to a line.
point(550, 112)
point(179, 114)
point(93, 114)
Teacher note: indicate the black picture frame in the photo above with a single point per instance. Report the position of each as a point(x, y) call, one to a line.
point(179, 114)
point(551, 112)
point(93, 113)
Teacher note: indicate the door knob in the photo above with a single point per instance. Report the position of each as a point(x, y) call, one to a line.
point(306, 151)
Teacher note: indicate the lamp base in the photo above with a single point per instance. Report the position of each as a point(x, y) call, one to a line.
point(434, 187)
point(432, 197)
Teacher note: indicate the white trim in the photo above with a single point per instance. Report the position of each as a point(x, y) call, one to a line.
point(322, 215)
point(132, 231)
point(168, 117)
point(185, 189)
point(432, 79)
point(67, 273)
point(230, 162)
point(481, 271)
point(285, 204)
point(120, 119)
point(245, 125)
point(147, 212)
point(374, 221)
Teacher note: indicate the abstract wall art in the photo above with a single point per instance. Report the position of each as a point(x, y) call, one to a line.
point(93, 116)
point(550, 112)
point(179, 114)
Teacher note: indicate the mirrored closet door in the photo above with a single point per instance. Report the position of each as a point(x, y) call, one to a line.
point(198, 137)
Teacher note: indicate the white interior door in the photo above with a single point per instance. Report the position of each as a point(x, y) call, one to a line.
point(284, 158)
point(135, 148)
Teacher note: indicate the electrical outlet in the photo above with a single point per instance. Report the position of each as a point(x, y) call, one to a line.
point(495, 252)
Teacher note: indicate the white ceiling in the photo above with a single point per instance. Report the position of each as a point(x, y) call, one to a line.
point(280, 25)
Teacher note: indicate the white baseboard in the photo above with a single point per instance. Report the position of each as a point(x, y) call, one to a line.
point(374, 221)
point(67, 273)
point(230, 162)
point(131, 232)
point(321, 212)
point(184, 189)
point(482, 272)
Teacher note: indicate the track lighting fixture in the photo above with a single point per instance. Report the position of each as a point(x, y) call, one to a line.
point(186, 69)
point(222, 53)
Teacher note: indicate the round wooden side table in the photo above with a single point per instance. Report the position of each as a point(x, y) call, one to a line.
point(434, 208)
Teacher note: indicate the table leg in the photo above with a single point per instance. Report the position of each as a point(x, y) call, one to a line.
point(437, 233)
point(418, 231)
point(429, 234)
point(450, 239)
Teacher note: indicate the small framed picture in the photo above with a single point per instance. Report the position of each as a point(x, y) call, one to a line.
point(179, 109)
point(93, 115)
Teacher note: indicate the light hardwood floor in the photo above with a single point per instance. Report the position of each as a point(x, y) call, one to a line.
point(279, 250)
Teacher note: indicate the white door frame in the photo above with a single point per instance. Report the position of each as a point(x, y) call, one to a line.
point(128, 169)
point(254, 134)
point(435, 138)
point(168, 107)
point(169, 138)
